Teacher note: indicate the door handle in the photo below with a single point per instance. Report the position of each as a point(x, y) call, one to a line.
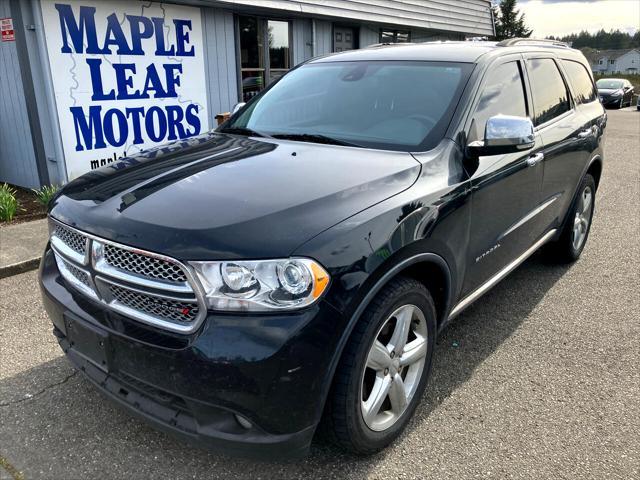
point(535, 159)
point(585, 133)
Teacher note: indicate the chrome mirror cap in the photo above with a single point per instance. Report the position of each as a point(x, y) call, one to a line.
point(237, 107)
point(507, 130)
point(503, 134)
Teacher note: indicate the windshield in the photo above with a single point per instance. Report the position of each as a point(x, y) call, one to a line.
point(609, 84)
point(389, 105)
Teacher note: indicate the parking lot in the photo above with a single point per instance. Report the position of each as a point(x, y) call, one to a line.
point(539, 379)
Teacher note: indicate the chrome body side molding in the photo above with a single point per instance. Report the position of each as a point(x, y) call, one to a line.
point(530, 215)
point(469, 299)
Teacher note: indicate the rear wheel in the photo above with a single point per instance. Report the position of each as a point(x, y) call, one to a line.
point(574, 235)
point(384, 369)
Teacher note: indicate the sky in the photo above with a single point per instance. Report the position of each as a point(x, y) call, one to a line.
point(561, 17)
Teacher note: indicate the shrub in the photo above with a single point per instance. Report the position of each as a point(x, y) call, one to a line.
point(46, 193)
point(8, 203)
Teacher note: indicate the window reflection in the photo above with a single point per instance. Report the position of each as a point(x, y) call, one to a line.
point(265, 53)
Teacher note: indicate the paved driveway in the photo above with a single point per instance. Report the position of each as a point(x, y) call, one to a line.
point(540, 379)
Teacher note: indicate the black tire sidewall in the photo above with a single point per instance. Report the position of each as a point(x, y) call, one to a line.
point(587, 181)
point(368, 440)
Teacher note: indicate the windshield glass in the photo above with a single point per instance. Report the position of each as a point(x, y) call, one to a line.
point(609, 84)
point(389, 105)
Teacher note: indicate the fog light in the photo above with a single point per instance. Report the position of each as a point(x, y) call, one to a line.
point(244, 423)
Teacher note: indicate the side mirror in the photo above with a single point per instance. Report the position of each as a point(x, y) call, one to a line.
point(504, 134)
point(237, 107)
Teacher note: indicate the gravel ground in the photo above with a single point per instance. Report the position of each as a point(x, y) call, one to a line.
point(539, 379)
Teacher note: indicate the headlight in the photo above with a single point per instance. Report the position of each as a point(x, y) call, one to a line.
point(261, 285)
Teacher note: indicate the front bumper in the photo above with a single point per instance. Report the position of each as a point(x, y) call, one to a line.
point(610, 101)
point(271, 370)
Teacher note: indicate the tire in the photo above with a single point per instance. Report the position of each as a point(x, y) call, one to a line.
point(568, 248)
point(353, 423)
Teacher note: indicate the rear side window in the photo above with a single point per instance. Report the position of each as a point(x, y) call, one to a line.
point(502, 94)
point(550, 98)
point(585, 91)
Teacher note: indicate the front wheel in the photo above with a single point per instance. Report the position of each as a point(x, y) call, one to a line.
point(383, 370)
point(574, 235)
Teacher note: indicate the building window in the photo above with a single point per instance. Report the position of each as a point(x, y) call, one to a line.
point(265, 53)
point(600, 62)
point(394, 36)
point(611, 62)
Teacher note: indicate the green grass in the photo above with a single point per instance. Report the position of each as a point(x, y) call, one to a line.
point(46, 193)
point(8, 203)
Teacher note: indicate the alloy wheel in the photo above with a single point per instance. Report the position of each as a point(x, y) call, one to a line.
point(394, 367)
point(582, 218)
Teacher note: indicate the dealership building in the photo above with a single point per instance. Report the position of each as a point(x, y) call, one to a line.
point(85, 83)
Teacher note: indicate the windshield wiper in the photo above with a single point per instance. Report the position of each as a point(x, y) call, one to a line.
point(314, 138)
point(242, 131)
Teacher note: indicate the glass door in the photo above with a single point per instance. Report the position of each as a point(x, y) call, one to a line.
point(279, 52)
point(265, 53)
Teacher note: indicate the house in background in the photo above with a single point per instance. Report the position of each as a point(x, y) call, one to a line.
point(614, 61)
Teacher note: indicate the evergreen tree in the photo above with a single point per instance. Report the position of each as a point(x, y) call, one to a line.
point(601, 40)
point(509, 21)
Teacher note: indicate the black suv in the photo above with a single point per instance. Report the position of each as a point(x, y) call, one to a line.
point(293, 268)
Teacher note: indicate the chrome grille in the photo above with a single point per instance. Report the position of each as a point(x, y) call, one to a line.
point(73, 240)
point(143, 265)
point(82, 277)
point(168, 309)
point(144, 286)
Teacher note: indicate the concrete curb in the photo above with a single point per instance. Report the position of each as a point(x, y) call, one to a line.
point(20, 267)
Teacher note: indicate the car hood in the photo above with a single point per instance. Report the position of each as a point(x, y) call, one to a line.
point(222, 196)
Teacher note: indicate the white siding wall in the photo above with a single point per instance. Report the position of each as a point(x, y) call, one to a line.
point(468, 16)
point(302, 41)
point(17, 157)
point(622, 64)
point(627, 61)
point(220, 64)
point(324, 38)
point(369, 35)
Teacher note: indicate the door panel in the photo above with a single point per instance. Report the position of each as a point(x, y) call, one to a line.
point(505, 188)
point(506, 195)
point(567, 137)
point(565, 155)
point(343, 39)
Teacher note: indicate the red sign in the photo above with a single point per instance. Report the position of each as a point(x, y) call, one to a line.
point(6, 29)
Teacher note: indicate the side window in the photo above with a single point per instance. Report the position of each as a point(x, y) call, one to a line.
point(503, 93)
point(584, 89)
point(549, 92)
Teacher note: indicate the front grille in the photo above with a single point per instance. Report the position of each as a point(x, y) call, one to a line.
point(143, 265)
point(73, 240)
point(141, 285)
point(167, 309)
point(78, 274)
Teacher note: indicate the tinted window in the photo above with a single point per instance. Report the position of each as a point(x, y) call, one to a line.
point(549, 92)
point(503, 94)
point(580, 81)
point(383, 104)
point(610, 84)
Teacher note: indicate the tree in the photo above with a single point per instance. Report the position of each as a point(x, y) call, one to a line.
point(509, 21)
point(601, 40)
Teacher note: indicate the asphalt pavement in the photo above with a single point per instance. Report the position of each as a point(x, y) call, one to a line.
point(539, 379)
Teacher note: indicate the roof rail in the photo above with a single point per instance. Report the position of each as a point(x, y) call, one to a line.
point(389, 44)
point(510, 42)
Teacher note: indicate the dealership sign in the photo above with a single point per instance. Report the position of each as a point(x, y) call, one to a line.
point(126, 76)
